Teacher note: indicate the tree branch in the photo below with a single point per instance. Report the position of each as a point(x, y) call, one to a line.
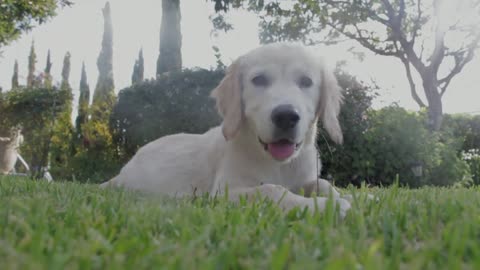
point(413, 89)
point(417, 24)
point(364, 41)
point(461, 58)
point(398, 34)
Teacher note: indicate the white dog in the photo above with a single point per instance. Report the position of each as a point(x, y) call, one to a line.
point(270, 100)
point(9, 147)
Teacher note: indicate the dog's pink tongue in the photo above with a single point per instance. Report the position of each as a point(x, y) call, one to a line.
point(281, 150)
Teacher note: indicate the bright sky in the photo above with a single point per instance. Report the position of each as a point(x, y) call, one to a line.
point(137, 24)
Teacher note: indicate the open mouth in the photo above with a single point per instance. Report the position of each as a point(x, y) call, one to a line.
point(281, 149)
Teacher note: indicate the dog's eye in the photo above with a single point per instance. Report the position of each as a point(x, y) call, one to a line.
point(305, 82)
point(260, 81)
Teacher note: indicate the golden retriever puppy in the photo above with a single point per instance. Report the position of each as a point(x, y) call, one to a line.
point(271, 100)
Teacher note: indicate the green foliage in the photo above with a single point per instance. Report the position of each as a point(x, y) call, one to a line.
point(466, 127)
point(95, 159)
point(22, 15)
point(472, 157)
point(394, 143)
point(78, 226)
point(341, 161)
point(177, 102)
point(62, 147)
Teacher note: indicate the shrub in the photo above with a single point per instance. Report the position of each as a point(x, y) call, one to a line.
point(343, 161)
point(466, 127)
point(397, 141)
point(472, 157)
point(174, 103)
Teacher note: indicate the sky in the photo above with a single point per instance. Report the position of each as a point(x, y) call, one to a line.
point(78, 29)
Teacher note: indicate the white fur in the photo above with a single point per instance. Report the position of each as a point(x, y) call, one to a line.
point(231, 155)
point(9, 150)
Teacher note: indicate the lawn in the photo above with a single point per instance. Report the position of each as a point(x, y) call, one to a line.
point(78, 226)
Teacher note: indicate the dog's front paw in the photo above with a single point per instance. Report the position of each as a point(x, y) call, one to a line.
point(369, 197)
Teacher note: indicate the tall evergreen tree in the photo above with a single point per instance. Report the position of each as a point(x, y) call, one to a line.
point(66, 72)
point(138, 69)
point(62, 148)
point(170, 58)
point(47, 73)
point(15, 76)
point(104, 95)
point(83, 102)
point(32, 60)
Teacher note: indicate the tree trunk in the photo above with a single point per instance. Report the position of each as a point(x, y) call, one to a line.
point(435, 107)
point(170, 58)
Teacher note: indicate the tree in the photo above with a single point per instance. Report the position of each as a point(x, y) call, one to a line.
point(15, 76)
point(104, 95)
point(47, 76)
point(83, 102)
point(66, 72)
point(62, 144)
point(397, 28)
point(170, 58)
point(22, 15)
point(138, 69)
point(32, 60)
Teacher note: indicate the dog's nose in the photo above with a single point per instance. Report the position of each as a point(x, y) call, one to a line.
point(285, 117)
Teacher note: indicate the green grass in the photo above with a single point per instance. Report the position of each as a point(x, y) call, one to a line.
point(76, 226)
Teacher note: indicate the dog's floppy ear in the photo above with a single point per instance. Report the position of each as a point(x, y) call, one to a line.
point(329, 105)
point(228, 95)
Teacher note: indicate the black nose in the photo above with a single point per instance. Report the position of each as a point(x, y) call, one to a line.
point(285, 117)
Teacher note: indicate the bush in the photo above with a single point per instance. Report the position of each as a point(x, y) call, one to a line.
point(466, 127)
point(397, 141)
point(341, 161)
point(174, 103)
point(472, 157)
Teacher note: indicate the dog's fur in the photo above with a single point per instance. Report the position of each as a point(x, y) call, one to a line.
point(232, 155)
point(9, 150)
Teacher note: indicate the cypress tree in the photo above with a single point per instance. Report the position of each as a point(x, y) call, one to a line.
point(170, 58)
point(62, 148)
point(138, 69)
point(66, 72)
point(47, 72)
point(83, 102)
point(104, 95)
point(32, 60)
point(15, 76)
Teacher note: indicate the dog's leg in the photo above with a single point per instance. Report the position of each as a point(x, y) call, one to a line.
point(287, 199)
point(321, 188)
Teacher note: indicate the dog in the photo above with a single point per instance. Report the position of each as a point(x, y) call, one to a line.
point(270, 99)
point(9, 147)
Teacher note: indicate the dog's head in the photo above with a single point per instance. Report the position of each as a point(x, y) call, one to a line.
point(278, 92)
